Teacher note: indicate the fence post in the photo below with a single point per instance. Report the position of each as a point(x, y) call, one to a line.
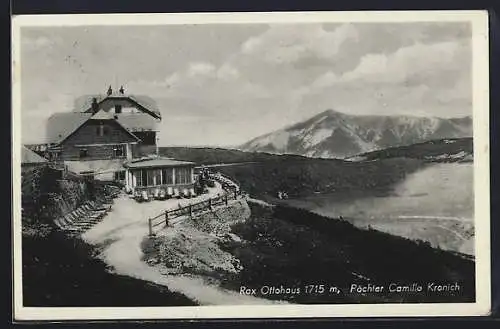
point(191, 211)
point(235, 194)
point(209, 203)
point(150, 222)
point(225, 198)
point(166, 217)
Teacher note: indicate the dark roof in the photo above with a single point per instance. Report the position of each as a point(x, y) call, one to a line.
point(146, 102)
point(30, 157)
point(157, 162)
point(103, 115)
point(137, 121)
point(83, 103)
point(61, 125)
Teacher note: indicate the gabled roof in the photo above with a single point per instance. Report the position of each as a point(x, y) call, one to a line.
point(147, 104)
point(30, 157)
point(61, 125)
point(103, 115)
point(157, 162)
point(137, 121)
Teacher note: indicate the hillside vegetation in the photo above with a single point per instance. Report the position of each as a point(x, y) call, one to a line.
point(302, 178)
point(291, 247)
point(62, 271)
point(264, 174)
point(207, 155)
point(457, 149)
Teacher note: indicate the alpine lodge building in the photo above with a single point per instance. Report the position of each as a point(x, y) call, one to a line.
point(114, 138)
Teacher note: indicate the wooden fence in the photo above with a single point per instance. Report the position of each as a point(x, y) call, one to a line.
point(190, 210)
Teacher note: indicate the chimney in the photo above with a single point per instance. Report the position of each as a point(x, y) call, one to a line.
point(95, 106)
point(110, 91)
point(122, 91)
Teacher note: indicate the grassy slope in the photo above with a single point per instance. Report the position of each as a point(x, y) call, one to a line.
point(302, 178)
point(293, 248)
point(206, 155)
point(425, 149)
point(61, 271)
point(58, 271)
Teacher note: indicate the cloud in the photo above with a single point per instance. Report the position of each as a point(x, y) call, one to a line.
point(417, 61)
point(441, 65)
point(228, 72)
point(204, 79)
point(339, 47)
point(157, 86)
point(261, 77)
point(430, 79)
point(200, 69)
point(33, 129)
point(290, 43)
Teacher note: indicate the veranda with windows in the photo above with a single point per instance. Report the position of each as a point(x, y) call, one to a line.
point(159, 173)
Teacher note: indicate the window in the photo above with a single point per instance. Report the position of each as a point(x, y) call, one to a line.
point(150, 178)
point(102, 130)
point(167, 176)
point(156, 173)
point(119, 175)
point(119, 151)
point(137, 176)
point(118, 109)
point(182, 175)
point(84, 153)
point(54, 155)
point(140, 176)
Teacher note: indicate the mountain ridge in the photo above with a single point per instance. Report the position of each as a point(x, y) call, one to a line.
point(334, 134)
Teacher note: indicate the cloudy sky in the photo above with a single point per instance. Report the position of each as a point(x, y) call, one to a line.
point(225, 84)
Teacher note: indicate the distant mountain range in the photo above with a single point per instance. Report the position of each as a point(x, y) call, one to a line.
point(332, 134)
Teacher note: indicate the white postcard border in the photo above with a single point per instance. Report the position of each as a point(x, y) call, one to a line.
point(479, 21)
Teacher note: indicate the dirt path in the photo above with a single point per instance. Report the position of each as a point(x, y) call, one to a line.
point(120, 235)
